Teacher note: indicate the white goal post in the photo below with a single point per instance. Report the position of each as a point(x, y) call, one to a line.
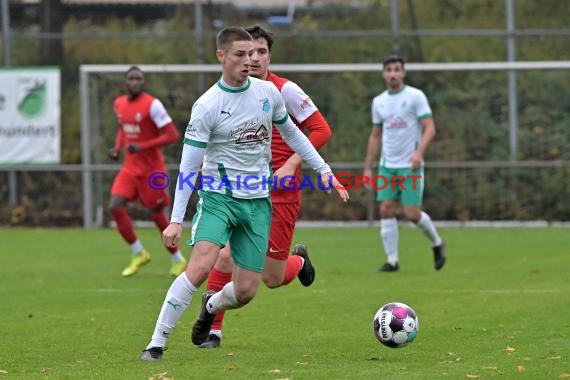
point(87, 168)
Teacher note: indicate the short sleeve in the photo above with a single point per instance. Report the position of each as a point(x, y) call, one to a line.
point(376, 117)
point(280, 114)
point(199, 127)
point(158, 114)
point(423, 110)
point(298, 104)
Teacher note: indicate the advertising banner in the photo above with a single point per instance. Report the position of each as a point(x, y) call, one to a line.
point(30, 130)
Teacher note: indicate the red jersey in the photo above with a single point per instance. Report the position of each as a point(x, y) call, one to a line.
point(140, 121)
point(306, 115)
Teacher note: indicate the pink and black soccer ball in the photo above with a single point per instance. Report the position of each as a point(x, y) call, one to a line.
point(395, 325)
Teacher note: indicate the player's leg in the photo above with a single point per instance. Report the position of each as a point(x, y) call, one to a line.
point(180, 295)
point(220, 275)
point(156, 200)
point(280, 267)
point(122, 191)
point(412, 197)
point(248, 241)
point(211, 230)
point(387, 196)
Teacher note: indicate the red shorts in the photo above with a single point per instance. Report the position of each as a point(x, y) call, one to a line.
point(134, 187)
point(283, 221)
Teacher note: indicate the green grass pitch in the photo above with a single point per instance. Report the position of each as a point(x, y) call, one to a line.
point(498, 309)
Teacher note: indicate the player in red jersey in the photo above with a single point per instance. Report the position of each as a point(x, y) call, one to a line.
point(280, 267)
point(144, 128)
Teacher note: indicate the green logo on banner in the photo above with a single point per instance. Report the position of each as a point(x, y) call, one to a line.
point(34, 101)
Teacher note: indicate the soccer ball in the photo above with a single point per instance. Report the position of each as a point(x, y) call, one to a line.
point(395, 324)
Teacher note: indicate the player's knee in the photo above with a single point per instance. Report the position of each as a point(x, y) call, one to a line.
point(116, 203)
point(245, 294)
point(387, 210)
point(225, 262)
point(271, 280)
point(412, 213)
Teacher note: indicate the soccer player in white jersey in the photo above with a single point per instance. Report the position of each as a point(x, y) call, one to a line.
point(229, 134)
point(282, 264)
point(403, 125)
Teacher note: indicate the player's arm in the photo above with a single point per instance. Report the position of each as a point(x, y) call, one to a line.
point(192, 157)
point(423, 112)
point(168, 134)
point(372, 150)
point(319, 133)
point(195, 141)
point(301, 145)
point(428, 134)
point(119, 142)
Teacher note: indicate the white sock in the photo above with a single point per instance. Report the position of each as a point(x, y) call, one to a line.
point(137, 247)
point(176, 301)
point(224, 299)
point(176, 257)
point(389, 235)
point(426, 225)
point(216, 332)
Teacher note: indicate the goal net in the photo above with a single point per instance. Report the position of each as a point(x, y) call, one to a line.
point(500, 153)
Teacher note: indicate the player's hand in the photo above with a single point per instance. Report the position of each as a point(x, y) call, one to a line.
point(285, 174)
point(133, 148)
point(368, 174)
point(332, 182)
point(113, 154)
point(416, 160)
point(171, 234)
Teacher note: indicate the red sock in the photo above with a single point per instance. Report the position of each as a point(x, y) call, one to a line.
point(292, 268)
point(161, 222)
point(216, 281)
point(124, 224)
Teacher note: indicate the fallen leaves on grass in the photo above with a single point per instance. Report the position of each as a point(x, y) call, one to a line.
point(490, 368)
point(470, 376)
point(521, 368)
point(3, 372)
point(510, 350)
point(46, 370)
point(275, 371)
point(302, 363)
point(564, 376)
point(231, 367)
point(160, 376)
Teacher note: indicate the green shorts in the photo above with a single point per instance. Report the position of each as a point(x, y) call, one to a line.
point(401, 184)
point(245, 223)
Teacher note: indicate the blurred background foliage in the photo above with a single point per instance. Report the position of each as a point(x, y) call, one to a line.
point(470, 108)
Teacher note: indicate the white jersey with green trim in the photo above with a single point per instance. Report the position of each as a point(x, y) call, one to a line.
point(234, 125)
point(399, 115)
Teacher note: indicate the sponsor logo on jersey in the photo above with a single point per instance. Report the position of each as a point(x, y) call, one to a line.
point(306, 103)
point(252, 135)
point(131, 129)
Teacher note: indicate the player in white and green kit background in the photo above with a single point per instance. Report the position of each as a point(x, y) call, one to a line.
point(230, 133)
point(402, 124)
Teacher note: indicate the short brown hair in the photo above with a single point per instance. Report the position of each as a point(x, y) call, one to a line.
point(229, 35)
point(258, 32)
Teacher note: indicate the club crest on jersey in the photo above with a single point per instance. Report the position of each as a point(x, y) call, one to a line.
point(265, 105)
point(250, 135)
